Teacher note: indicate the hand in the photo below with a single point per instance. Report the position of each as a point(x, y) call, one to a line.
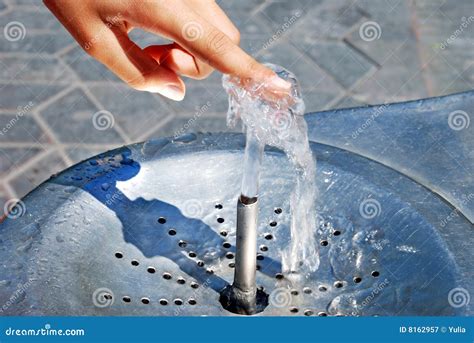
point(204, 38)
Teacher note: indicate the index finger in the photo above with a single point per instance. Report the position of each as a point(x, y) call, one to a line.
point(216, 49)
point(208, 43)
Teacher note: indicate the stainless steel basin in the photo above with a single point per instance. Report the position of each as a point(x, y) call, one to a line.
point(149, 229)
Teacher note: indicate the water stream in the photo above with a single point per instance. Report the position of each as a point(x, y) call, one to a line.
point(277, 120)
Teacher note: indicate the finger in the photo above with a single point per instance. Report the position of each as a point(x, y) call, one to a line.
point(181, 61)
point(139, 70)
point(175, 58)
point(204, 41)
point(212, 13)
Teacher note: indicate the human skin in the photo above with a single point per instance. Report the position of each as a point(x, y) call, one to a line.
point(203, 38)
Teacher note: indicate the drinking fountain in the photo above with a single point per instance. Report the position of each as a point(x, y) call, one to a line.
point(151, 228)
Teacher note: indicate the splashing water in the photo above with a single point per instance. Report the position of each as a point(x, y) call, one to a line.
point(278, 121)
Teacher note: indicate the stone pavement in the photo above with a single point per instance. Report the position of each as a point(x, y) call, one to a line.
point(58, 106)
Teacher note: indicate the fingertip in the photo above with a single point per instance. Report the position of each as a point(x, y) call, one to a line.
point(271, 82)
point(173, 92)
point(173, 88)
point(278, 84)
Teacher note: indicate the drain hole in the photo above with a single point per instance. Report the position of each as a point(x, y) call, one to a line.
point(223, 233)
point(192, 254)
point(194, 285)
point(209, 271)
point(178, 302)
point(162, 220)
point(163, 302)
point(231, 265)
point(294, 292)
point(322, 314)
point(135, 263)
point(336, 233)
point(338, 284)
point(375, 273)
point(278, 210)
point(220, 220)
point(151, 270)
point(322, 288)
point(268, 236)
point(181, 281)
point(324, 243)
point(357, 279)
point(260, 257)
point(279, 276)
point(167, 276)
point(219, 206)
point(229, 255)
point(307, 290)
point(192, 301)
point(200, 263)
point(182, 244)
point(294, 310)
point(308, 312)
point(118, 255)
point(227, 245)
point(126, 299)
point(146, 301)
point(263, 248)
point(273, 224)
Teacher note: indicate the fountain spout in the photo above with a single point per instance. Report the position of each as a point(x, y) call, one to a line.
point(242, 296)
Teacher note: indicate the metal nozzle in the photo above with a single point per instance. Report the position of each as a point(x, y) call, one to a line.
point(246, 244)
point(242, 296)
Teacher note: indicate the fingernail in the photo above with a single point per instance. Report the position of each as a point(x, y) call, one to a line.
point(173, 92)
point(279, 84)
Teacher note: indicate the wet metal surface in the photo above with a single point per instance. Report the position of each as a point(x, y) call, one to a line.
point(149, 229)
